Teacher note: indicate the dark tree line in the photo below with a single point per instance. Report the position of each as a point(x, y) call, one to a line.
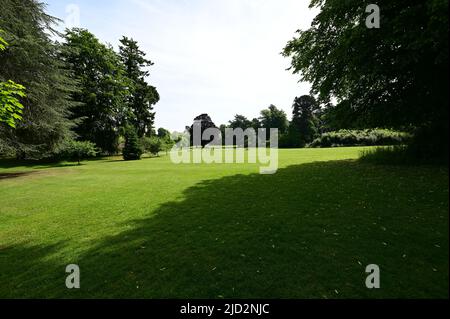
point(79, 89)
point(395, 76)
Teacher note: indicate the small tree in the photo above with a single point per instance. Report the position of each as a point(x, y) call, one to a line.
point(79, 151)
point(132, 150)
point(155, 145)
point(168, 144)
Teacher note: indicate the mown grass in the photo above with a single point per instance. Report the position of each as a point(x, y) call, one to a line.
point(152, 229)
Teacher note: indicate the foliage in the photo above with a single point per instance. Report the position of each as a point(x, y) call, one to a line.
point(3, 43)
point(141, 96)
point(32, 59)
point(274, 118)
point(153, 145)
point(132, 150)
point(163, 133)
point(79, 150)
point(10, 106)
point(368, 137)
point(304, 126)
point(240, 121)
point(204, 122)
point(10, 92)
point(395, 76)
point(100, 108)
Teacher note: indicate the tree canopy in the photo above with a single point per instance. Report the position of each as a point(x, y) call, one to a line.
point(103, 89)
point(141, 96)
point(32, 59)
point(274, 118)
point(392, 76)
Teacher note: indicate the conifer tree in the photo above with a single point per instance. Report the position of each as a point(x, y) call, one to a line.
point(132, 150)
point(32, 59)
point(142, 96)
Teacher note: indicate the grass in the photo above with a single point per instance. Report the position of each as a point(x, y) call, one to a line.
point(152, 229)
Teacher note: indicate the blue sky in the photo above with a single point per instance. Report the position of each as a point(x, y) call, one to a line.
point(220, 57)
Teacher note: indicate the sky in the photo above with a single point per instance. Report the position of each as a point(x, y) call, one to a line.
point(220, 57)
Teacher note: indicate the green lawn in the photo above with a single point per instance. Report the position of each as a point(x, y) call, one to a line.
point(152, 229)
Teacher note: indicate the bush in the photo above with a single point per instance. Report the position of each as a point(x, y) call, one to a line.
point(369, 137)
point(132, 151)
point(78, 151)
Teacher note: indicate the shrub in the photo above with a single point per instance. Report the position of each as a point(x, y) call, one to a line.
point(78, 151)
point(368, 137)
point(131, 151)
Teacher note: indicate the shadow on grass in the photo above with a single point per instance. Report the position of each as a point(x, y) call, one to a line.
point(10, 163)
point(401, 156)
point(26, 268)
point(14, 175)
point(306, 232)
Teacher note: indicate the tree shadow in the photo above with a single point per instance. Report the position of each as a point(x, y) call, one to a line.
point(10, 164)
point(27, 270)
point(308, 231)
point(14, 175)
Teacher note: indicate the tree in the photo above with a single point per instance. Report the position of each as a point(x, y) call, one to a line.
point(395, 76)
point(101, 106)
point(240, 121)
point(274, 118)
point(141, 96)
point(256, 124)
point(32, 59)
point(204, 122)
point(303, 128)
point(156, 145)
point(78, 151)
point(132, 150)
point(338, 117)
point(163, 133)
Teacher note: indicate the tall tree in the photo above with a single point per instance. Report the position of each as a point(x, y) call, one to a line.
point(32, 59)
point(303, 128)
point(142, 96)
point(392, 76)
point(101, 109)
point(274, 118)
